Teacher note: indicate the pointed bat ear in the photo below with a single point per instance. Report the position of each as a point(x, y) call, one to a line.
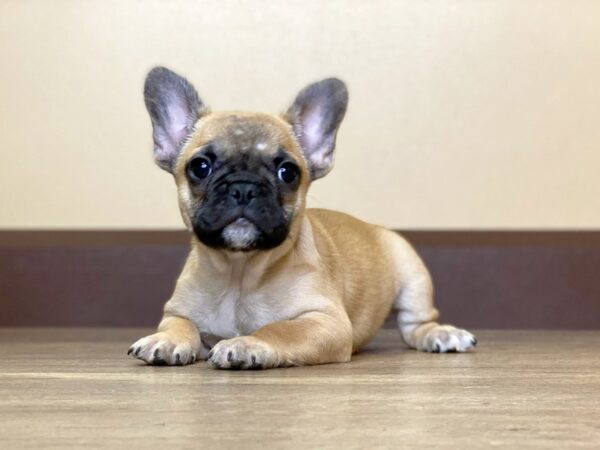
point(316, 115)
point(174, 108)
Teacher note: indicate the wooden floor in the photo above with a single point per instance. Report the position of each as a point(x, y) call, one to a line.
point(77, 388)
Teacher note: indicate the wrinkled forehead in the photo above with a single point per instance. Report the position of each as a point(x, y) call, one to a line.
point(235, 133)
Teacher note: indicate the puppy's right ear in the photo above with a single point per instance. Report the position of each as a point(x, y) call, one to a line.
point(174, 108)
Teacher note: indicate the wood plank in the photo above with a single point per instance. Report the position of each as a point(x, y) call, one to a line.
point(64, 388)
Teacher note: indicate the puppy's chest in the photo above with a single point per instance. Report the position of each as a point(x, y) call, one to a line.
point(237, 312)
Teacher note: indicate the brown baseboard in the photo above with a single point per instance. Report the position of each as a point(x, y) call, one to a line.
point(484, 279)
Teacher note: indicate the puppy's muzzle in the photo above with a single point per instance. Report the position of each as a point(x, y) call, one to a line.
point(241, 211)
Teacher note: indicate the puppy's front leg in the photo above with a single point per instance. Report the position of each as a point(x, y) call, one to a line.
point(177, 342)
point(312, 338)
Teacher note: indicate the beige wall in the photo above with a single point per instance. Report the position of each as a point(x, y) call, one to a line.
point(463, 114)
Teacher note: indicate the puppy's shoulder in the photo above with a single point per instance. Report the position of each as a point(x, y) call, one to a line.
point(348, 231)
point(341, 227)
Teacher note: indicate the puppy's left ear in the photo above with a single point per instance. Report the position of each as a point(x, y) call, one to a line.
point(316, 115)
point(174, 108)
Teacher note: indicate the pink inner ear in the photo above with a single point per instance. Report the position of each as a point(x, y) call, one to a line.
point(179, 137)
point(179, 124)
point(169, 139)
point(179, 117)
point(312, 133)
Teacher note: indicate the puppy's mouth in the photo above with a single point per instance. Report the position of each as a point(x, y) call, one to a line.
point(240, 231)
point(241, 234)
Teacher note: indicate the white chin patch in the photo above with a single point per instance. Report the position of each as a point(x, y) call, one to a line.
point(240, 234)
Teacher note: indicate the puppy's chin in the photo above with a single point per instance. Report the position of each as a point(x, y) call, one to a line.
point(240, 235)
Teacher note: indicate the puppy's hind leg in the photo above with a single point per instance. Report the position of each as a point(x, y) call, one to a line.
point(417, 316)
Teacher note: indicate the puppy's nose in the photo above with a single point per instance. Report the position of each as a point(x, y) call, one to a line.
point(243, 192)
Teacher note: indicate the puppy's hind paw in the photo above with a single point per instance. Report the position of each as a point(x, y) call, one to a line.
point(447, 339)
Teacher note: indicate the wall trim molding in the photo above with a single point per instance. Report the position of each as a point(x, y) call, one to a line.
point(484, 279)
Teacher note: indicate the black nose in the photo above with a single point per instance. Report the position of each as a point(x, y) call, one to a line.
point(243, 192)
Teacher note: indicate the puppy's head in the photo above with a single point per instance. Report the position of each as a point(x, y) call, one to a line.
point(242, 177)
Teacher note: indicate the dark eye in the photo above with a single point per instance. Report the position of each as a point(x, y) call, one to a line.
point(199, 168)
point(287, 172)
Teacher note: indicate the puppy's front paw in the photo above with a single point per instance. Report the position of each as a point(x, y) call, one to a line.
point(246, 352)
point(162, 349)
point(447, 339)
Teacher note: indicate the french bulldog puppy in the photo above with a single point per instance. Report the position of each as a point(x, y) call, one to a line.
point(268, 282)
